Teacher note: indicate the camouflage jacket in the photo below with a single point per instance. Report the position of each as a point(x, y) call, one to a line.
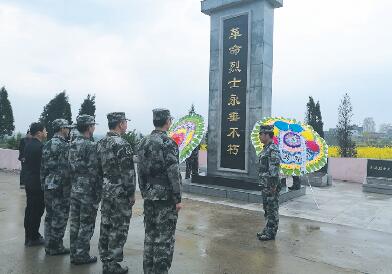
point(158, 168)
point(86, 175)
point(55, 170)
point(116, 162)
point(269, 162)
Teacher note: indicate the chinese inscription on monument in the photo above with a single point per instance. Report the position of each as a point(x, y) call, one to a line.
point(234, 85)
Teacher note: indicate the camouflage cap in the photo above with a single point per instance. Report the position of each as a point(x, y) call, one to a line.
point(116, 117)
point(61, 123)
point(161, 114)
point(85, 120)
point(266, 129)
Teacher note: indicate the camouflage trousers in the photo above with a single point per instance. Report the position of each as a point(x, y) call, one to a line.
point(270, 193)
point(82, 223)
point(160, 220)
point(192, 167)
point(116, 213)
point(57, 202)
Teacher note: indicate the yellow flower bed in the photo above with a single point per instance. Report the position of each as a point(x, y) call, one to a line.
point(366, 152)
point(363, 152)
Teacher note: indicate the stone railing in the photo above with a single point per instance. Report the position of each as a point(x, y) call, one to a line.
point(9, 159)
point(347, 169)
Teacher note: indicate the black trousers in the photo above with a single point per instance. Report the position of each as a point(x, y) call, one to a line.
point(35, 208)
point(22, 178)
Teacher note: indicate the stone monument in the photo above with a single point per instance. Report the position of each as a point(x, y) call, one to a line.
point(379, 177)
point(241, 52)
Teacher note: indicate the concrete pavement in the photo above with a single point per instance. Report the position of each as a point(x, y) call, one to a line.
point(217, 237)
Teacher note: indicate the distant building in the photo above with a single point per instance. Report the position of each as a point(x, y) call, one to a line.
point(357, 131)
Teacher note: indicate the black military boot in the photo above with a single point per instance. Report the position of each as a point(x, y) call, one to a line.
point(37, 242)
point(265, 237)
point(260, 233)
point(57, 251)
point(87, 260)
point(114, 268)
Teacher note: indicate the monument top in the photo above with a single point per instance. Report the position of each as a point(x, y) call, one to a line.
point(210, 6)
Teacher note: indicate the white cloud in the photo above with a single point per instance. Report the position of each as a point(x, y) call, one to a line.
point(133, 72)
point(137, 56)
point(327, 48)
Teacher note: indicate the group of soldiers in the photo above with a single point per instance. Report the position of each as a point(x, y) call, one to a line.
point(79, 175)
point(75, 177)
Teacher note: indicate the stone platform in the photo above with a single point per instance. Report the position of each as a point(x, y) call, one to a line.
point(316, 179)
point(250, 196)
point(378, 185)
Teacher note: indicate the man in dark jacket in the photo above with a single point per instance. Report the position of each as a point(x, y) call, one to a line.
point(35, 196)
point(23, 142)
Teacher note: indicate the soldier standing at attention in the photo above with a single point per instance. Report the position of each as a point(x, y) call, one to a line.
point(269, 167)
point(55, 180)
point(118, 193)
point(86, 190)
point(192, 163)
point(160, 186)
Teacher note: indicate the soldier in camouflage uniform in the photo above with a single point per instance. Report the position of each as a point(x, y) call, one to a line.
point(86, 190)
point(269, 167)
point(118, 194)
point(160, 186)
point(55, 180)
point(192, 164)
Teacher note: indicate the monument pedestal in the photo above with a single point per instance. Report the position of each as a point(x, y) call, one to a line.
point(318, 179)
point(253, 195)
point(378, 185)
point(379, 177)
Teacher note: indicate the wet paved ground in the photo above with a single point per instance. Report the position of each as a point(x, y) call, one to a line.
point(215, 238)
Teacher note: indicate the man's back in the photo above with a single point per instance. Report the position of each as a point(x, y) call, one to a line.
point(33, 154)
point(116, 161)
point(22, 145)
point(159, 173)
point(55, 162)
point(84, 168)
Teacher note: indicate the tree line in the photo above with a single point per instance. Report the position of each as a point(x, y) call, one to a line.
point(59, 107)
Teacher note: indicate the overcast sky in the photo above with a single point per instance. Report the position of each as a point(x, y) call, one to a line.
point(138, 55)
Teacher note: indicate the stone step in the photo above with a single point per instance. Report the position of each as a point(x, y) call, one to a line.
point(378, 186)
point(382, 189)
point(249, 196)
point(377, 181)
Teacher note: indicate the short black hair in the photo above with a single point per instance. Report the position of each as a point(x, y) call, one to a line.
point(82, 128)
point(271, 134)
point(159, 123)
point(36, 127)
point(113, 125)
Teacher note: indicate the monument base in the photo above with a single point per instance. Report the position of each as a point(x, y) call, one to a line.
point(378, 185)
point(317, 179)
point(204, 185)
point(226, 182)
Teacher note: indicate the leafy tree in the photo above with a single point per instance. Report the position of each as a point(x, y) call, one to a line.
point(88, 106)
point(133, 138)
point(57, 108)
point(369, 125)
point(347, 147)
point(386, 127)
point(313, 116)
point(192, 110)
point(6, 114)
point(13, 142)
